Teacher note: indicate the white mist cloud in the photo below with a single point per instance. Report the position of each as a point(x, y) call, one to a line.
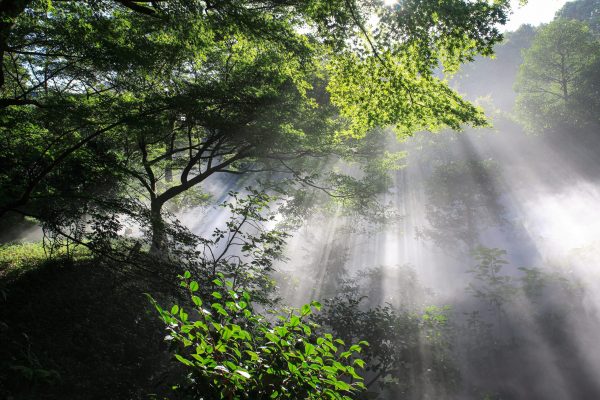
point(565, 221)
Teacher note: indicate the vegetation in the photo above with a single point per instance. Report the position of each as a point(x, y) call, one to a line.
point(64, 324)
point(410, 348)
point(552, 81)
point(582, 10)
point(116, 100)
point(260, 166)
point(14, 258)
point(234, 353)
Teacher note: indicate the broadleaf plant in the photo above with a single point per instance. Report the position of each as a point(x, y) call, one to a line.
point(232, 352)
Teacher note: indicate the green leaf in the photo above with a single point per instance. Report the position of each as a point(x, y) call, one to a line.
point(197, 301)
point(308, 349)
point(305, 310)
point(221, 368)
point(316, 305)
point(220, 309)
point(184, 360)
point(243, 373)
point(218, 282)
point(355, 348)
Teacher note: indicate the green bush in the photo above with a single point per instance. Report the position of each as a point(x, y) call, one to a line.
point(231, 352)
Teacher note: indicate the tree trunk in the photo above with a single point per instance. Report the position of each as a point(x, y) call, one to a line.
point(158, 229)
point(171, 146)
point(169, 170)
point(564, 78)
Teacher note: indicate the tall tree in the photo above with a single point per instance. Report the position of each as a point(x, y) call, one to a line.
point(551, 77)
point(190, 88)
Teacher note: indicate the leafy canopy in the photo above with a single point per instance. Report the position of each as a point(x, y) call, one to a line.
point(116, 107)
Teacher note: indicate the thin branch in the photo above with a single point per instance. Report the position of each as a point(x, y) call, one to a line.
point(305, 181)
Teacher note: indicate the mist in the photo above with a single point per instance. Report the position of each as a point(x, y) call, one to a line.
point(497, 226)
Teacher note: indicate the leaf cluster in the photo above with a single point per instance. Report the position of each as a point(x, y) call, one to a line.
point(231, 352)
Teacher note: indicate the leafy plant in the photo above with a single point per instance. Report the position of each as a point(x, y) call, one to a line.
point(131, 107)
point(489, 284)
point(231, 352)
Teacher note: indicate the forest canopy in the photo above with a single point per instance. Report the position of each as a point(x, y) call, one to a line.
point(102, 95)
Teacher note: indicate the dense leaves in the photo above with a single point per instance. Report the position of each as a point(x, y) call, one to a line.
point(144, 101)
point(233, 353)
point(553, 79)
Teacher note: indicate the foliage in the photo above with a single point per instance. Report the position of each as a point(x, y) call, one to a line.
point(14, 256)
point(410, 345)
point(231, 352)
point(587, 11)
point(81, 329)
point(493, 287)
point(244, 250)
point(474, 78)
point(522, 315)
point(119, 107)
point(462, 197)
point(551, 80)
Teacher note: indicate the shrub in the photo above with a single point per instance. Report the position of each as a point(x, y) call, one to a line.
point(231, 352)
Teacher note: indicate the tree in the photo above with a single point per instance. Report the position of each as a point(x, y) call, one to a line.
point(194, 89)
point(473, 79)
point(551, 78)
point(462, 201)
point(489, 284)
point(243, 251)
point(587, 11)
